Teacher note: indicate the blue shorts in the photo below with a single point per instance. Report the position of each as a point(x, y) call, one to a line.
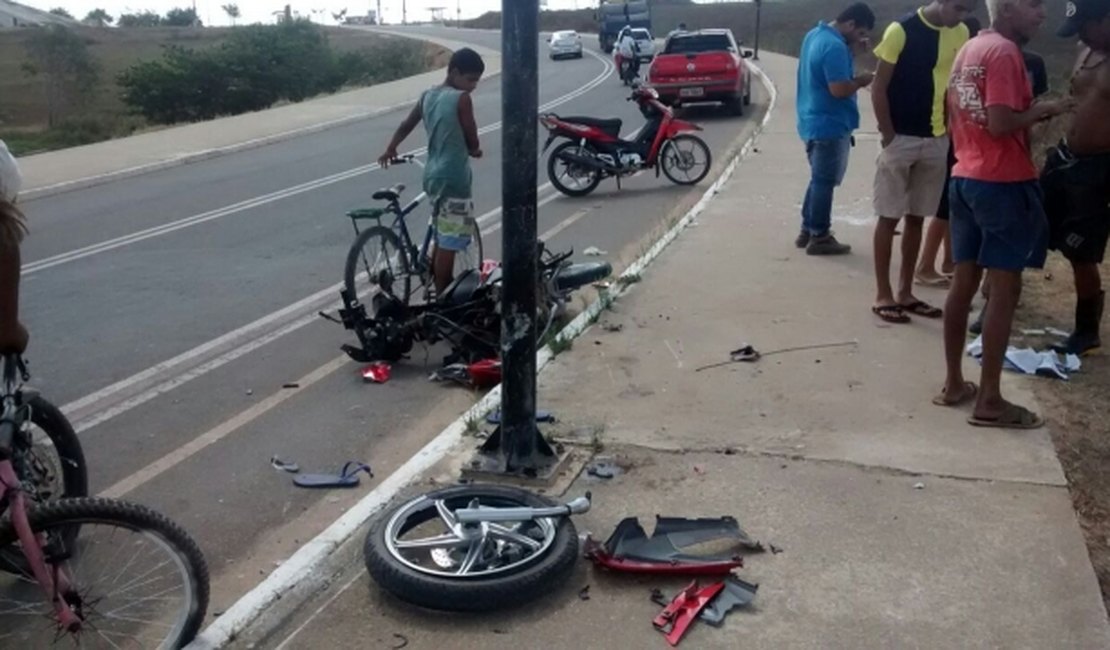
point(998, 225)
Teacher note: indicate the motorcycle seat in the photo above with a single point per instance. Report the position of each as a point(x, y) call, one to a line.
point(461, 288)
point(610, 126)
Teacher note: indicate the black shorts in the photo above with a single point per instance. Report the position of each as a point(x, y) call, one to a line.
point(1077, 201)
point(943, 210)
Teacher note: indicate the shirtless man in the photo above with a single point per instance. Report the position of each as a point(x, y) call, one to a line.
point(1076, 175)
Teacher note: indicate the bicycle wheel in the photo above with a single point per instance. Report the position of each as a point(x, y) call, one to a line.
point(377, 260)
point(137, 579)
point(54, 465)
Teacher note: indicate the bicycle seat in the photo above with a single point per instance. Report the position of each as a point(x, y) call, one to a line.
point(389, 193)
point(461, 289)
point(366, 213)
point(609, 126)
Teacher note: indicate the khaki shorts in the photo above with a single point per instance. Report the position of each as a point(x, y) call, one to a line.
point(910, 175)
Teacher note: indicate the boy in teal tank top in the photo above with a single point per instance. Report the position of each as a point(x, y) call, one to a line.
point(448, 115)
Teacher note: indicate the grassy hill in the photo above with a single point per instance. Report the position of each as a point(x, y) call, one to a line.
point(23, 102)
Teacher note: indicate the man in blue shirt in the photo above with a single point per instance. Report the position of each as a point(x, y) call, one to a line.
point(827, 115)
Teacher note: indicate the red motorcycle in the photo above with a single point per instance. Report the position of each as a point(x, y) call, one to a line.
point(594, 149)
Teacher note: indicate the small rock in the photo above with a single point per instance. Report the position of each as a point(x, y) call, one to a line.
point(919, 486)
point(593, 251)
point(250, 392)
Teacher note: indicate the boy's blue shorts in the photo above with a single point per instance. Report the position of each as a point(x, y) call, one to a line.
point(998, 225)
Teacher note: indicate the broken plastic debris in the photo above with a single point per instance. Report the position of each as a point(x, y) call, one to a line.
point(377, 372)
point(919, 486)
point(603, 468)
point(284, 466)
point(1030, 362)
point(594, 251)
point(455, 372)
point(612, 327)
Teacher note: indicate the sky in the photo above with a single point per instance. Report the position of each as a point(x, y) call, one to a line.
point(262, 10)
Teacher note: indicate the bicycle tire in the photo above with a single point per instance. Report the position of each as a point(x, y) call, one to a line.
point(402, 281)
point(72, 513)
point(71, 463)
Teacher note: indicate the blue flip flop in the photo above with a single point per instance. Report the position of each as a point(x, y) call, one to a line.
point(347, 477)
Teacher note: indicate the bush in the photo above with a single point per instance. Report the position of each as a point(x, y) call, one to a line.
point(256, 67)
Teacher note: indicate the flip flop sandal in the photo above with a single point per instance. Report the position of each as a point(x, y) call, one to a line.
point(541, 416)
point(891, 313)
point(937, 282)
point(1012, 417)
point(347, 477)
point(284, 466)
point(923, 309)
point(971, 391)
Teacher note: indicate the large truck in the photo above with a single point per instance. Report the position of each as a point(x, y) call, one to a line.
point(614, 15)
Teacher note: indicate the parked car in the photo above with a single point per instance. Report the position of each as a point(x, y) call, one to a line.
point(703, 66)
point(565, 44)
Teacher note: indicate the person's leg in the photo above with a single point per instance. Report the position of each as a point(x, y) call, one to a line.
point(452, 234)
point(804, 234)
point(947, 267)
point(890, 194)
point(965, 282)
point(883, 246)
point(935, 235)
point(443, 268)
point(830, 162)
point(1005, 288)
point(966, 241)
point(911, 247)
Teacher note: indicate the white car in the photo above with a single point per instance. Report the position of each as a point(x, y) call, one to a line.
point(565, 43)
point(645, 42)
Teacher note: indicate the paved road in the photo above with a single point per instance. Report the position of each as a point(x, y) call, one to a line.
point(169, 310)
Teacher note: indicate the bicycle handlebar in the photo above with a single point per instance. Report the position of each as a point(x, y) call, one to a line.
point(401, 160)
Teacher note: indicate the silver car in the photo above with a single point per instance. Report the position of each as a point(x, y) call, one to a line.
point(565, 44)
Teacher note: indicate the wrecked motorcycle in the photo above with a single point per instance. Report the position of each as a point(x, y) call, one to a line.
point(594, 150)
point(474, 547)
point(467, 314)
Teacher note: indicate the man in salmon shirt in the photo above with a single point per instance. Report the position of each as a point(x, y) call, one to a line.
point(997, 219)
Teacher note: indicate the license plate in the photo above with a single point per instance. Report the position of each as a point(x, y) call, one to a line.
point(691, 92)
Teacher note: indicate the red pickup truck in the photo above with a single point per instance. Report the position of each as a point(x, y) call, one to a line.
point(703, 66)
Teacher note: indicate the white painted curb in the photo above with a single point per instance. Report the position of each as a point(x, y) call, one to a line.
point(306, 565)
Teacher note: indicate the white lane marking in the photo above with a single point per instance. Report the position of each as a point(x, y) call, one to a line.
point(221, 431)
point(258, 201)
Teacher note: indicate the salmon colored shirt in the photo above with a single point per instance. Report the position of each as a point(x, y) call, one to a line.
point(989, 71)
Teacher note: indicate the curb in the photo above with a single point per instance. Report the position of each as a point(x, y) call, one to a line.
point(302, 574)
point(208, 154)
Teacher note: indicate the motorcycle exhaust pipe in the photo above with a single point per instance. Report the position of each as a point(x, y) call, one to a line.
point(588, 162)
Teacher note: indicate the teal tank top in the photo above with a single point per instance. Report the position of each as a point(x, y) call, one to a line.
point(447, 172)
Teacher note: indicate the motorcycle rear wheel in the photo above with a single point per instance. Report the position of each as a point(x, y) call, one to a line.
point(418, 553)
point(585, 181)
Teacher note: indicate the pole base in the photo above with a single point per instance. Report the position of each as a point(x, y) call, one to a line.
point(493, 462)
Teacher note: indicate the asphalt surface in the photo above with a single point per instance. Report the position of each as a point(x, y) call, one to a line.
point(141, 294)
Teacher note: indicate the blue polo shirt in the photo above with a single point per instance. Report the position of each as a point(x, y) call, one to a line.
point(825, 59)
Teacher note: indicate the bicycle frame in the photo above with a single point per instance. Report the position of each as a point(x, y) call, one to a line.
point(14, 500)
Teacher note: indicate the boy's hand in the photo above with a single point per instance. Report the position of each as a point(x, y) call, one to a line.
point(14, 340)
point(386, 158)
point(475, 153)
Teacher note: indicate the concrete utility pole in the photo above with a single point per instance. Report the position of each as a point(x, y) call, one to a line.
point(517, 447)
point(404, 12)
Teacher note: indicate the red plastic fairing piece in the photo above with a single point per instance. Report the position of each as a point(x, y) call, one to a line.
point(597, 553)
point(677, 617)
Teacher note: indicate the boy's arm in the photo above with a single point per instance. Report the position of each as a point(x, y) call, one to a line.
point(410, 122)
point(469, 125)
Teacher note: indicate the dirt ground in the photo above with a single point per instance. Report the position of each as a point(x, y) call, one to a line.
point(1075, 409)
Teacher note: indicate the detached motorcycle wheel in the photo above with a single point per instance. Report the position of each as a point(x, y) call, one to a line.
point(561, 172)
point(420, 554)
point(685, 159)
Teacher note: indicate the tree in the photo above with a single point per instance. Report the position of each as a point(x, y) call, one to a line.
point(182, 18)
point(144, 19)
point(99, 17)
point(232, 11)
point(59, 11)
point(61, 60)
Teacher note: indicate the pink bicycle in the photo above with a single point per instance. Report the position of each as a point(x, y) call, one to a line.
point(86, 572)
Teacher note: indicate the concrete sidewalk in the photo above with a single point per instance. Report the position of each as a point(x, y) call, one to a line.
point(77, 167)
point(901, 526)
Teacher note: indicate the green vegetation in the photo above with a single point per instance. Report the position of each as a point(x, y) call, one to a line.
point(68, 94)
